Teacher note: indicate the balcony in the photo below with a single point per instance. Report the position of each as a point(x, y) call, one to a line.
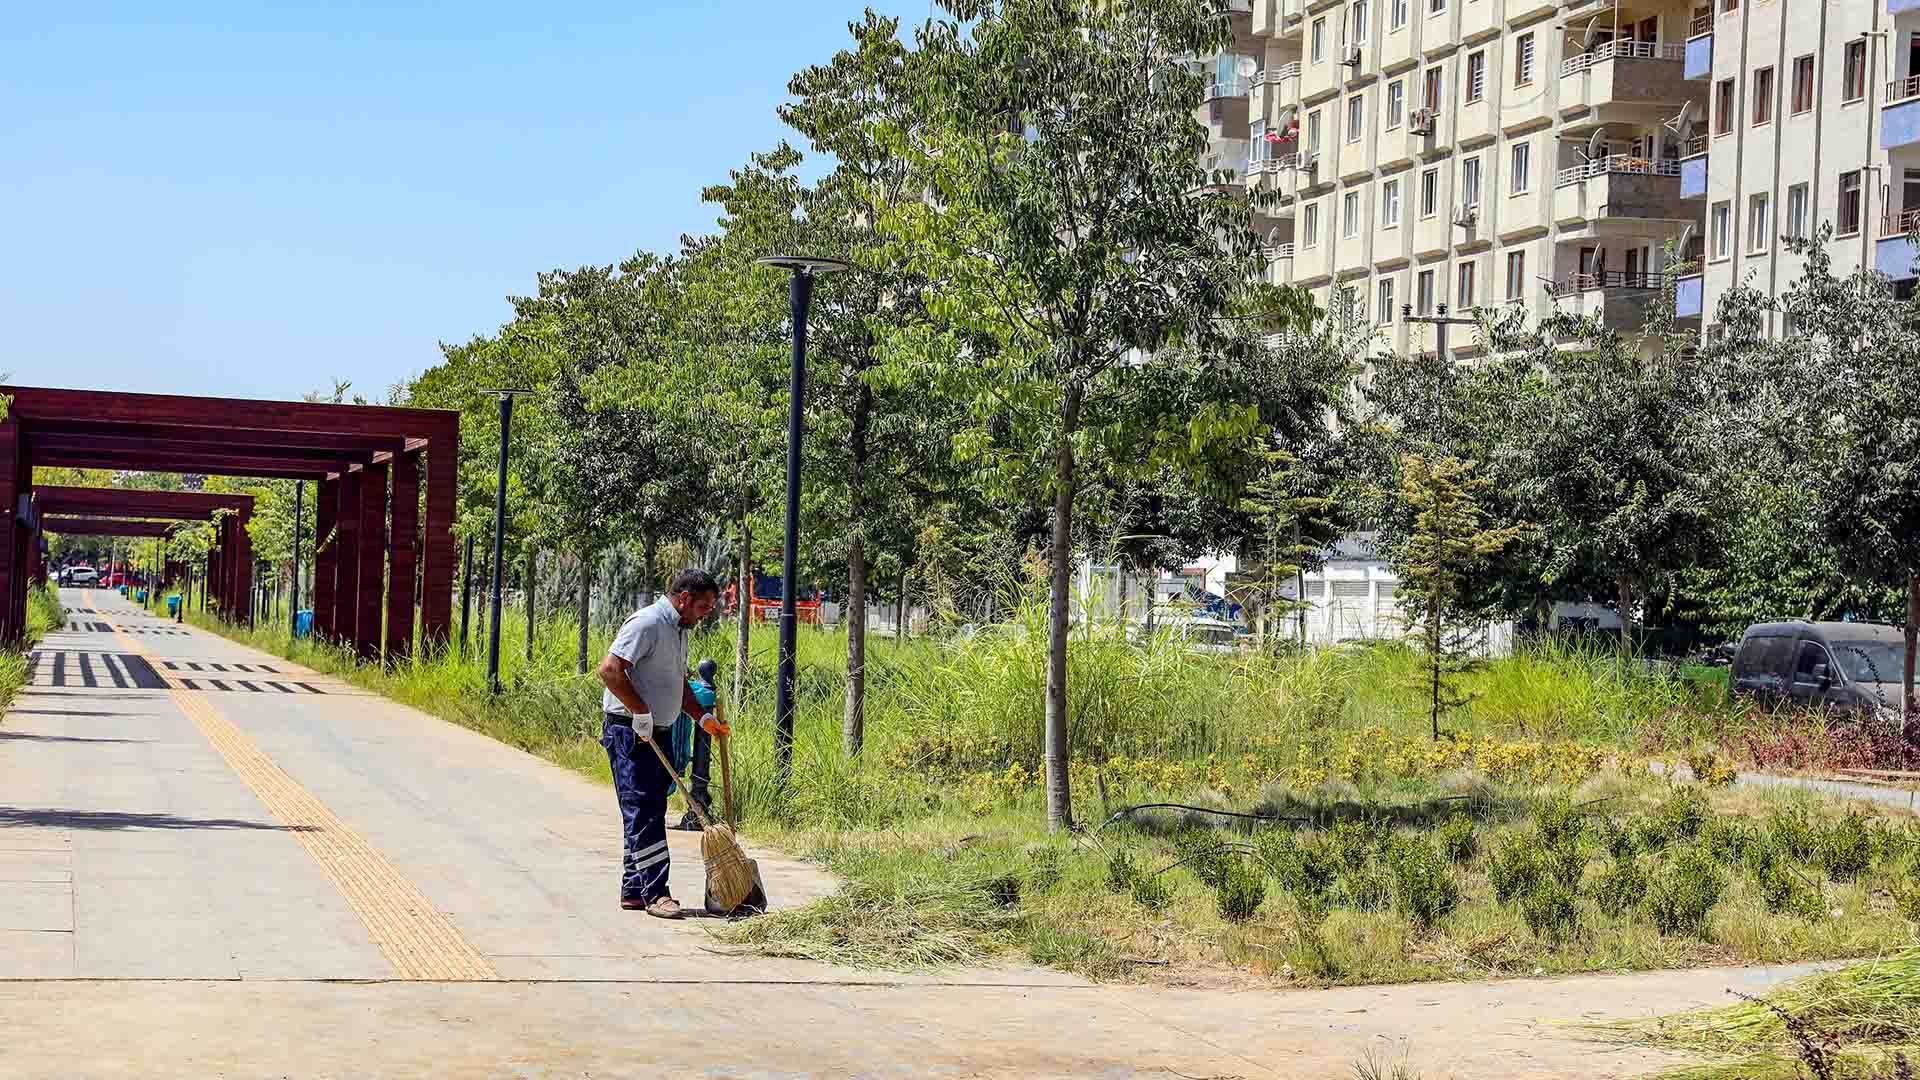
point(1228, 88)
point(1900, 117)
point(1894, 254)
point(1689, 295)
point(1693, 168)
point(1620, 298)
point(1699, 49)
point(1277, 18)
point(1279, 263)
point(1618, 187)
point(1636, 73)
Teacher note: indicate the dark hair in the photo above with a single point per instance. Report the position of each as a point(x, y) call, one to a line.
point(693, 581)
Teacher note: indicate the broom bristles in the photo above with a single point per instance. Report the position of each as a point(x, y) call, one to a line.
point(729, 872)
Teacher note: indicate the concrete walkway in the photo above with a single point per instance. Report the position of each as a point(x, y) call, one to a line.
point(213, 862)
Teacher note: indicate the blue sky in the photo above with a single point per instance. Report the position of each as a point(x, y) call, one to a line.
point(246, 199)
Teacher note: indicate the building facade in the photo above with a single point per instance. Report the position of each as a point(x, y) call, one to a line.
point(1813, 119)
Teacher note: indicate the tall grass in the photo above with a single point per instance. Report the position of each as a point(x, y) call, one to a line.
point(44, 613)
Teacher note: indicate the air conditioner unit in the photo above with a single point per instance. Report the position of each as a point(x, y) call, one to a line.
point(1423, 121)
point(1467, 216)
point(1352, 59)
point(1310, 159)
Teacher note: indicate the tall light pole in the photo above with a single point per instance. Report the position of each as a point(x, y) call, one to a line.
point(803, 269)
point(499, 534)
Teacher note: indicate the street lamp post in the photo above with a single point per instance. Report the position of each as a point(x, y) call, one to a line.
point(499, 535)
point(803, 270)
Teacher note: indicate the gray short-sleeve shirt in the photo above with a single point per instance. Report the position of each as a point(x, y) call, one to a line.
point(655, 643)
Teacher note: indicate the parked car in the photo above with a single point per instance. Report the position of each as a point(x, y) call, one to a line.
point(81, 577)
point(1838, 665)
point(1204, 635)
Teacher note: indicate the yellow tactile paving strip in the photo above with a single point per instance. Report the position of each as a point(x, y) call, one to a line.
point(410, 932)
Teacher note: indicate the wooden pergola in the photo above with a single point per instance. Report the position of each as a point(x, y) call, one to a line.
point(358, 456)
point(102, 512)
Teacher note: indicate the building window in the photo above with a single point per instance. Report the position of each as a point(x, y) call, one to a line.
point(1385, 292)
point(1517, 176)
point(1523, 59)
point(1463, 295)
point(1356, 116)
point(1476, 76)
point(1757, 236)
point(1849, 202)
point(1319, 40)
point(1399, 13)
point(1390, 203)
point(1313, 131)
point(1763, 96)
point(1396, 103)
point(1310, 224)
point(1435, 7)
point(1797, 211)
point(1430, 89)
point(1516, 274)
point(1723, 107)
point(1357, 23)
point(1729, 5)
point(1722, 224)
point(1854, 72)
point(1423, 293)
point(1429, 193)
point(1803, 84)
point(1470, 181)
point(1350, 214)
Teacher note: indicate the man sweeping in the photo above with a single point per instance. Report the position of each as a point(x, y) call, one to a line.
point(645, 673)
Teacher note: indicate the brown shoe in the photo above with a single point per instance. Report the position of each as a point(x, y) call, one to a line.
point(664, 907)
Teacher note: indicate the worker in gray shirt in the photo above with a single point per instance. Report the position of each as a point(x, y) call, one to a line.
point(645, 674)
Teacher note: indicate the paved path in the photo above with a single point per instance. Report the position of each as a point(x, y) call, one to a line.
point(213, 862)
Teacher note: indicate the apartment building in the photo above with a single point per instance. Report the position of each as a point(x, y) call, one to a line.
point(1813, 119)
point(1464, 152)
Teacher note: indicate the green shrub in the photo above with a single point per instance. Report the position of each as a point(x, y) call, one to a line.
point(1303, 869)
point(1370, 888)
point(1683, 894)
point(1202, 853)
point(1121, 872)
point(1240, 891)
point(1151, 891)
point(1565, 863)
point(1648, 834)
point(1423, 887)
point(1352, 844)
point(1906, 891)
point(1846, 847)
point(1781, 887)
point(1794, 834)
point(1618, 839)
point(1550, 910)
point(1679, 817)
point(1726, 839)
point(1620, 887)
point(1516, 868)
point(1457, 840)
point(1558, 822)
point(1045, 867)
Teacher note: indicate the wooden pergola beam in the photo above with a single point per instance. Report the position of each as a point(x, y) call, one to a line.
point(79, 526)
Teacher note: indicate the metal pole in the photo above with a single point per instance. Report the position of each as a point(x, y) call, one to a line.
point(293, 609)
point(499, 539)
point(466, 594)
point(802, 297)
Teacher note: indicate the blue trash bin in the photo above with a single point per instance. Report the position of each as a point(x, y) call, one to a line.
point(173, 604)
point(302, 623)
point(140, 597)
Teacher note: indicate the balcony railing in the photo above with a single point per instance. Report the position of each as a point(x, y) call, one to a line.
point(1273, 75)
point(1894, 226)
point(1279, 251)
point(1618, 163)
point(1702, 24)
point(1901, 89)
point(1610, 279)
point(1228, 88)
point(1695, 146)
point(1642, 50)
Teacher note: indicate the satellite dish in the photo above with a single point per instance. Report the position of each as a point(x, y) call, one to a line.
point(1597, 146)
point(1680, 246)
point(1286, 118)
point(1273, 237)
point(1593, 31)
point(1246, 67)
point(1682, 125)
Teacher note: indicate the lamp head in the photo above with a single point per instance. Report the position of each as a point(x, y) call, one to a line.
point(805, 264)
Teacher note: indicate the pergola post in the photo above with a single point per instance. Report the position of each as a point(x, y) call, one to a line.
point(436, 602)
point(326, 555)
point(372, 549)
point(346, 576)
point(13, 623)
point(243, 565)
point(403, 555)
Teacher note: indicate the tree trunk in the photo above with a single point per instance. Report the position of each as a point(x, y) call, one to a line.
point(1300, 597)
point(586, 609)
point(900, 607)
point(743, 613)
point(1433, 658)
point(532, 587)
point(1913, 630)
point(650, 553)
point(1058, 745)
point(853, 726)
point(1626, 620)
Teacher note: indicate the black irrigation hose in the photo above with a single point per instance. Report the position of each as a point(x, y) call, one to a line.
point(1198, 810)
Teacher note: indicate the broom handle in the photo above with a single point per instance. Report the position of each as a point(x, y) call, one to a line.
point(726, 770)
point(692, 803)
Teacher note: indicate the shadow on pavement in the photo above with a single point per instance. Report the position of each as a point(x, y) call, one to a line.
point(5, 735)
point(107, 820)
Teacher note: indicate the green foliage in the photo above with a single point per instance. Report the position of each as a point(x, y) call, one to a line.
point(1683, 893)
point(1424, 888)
point(1151, 891)
point(1516, 868)
point(1558, 821)
point(1121, 872)
point(1551, 910)
point(1620, 841)
point(1782, 888)
point(1565, 863)
point(1307, 870)
point(1045, 867)
point(1239, 891)
point(1794, 833)
point(1728, 839)
point(1676, 820)
point(1352, 844)
point(1846, 847)
point(1458, 841)
point(1201, 851)
point(1620, 887)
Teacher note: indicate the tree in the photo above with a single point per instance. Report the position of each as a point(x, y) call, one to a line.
point(1291, 526)
point(1438, 562)
point(1076, 256)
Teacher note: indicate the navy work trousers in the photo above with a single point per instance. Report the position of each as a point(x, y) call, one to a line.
point(641, 783)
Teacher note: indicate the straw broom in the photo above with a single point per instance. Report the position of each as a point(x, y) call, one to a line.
point(731, 876)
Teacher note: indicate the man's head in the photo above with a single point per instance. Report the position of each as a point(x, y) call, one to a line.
point(693, 594)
